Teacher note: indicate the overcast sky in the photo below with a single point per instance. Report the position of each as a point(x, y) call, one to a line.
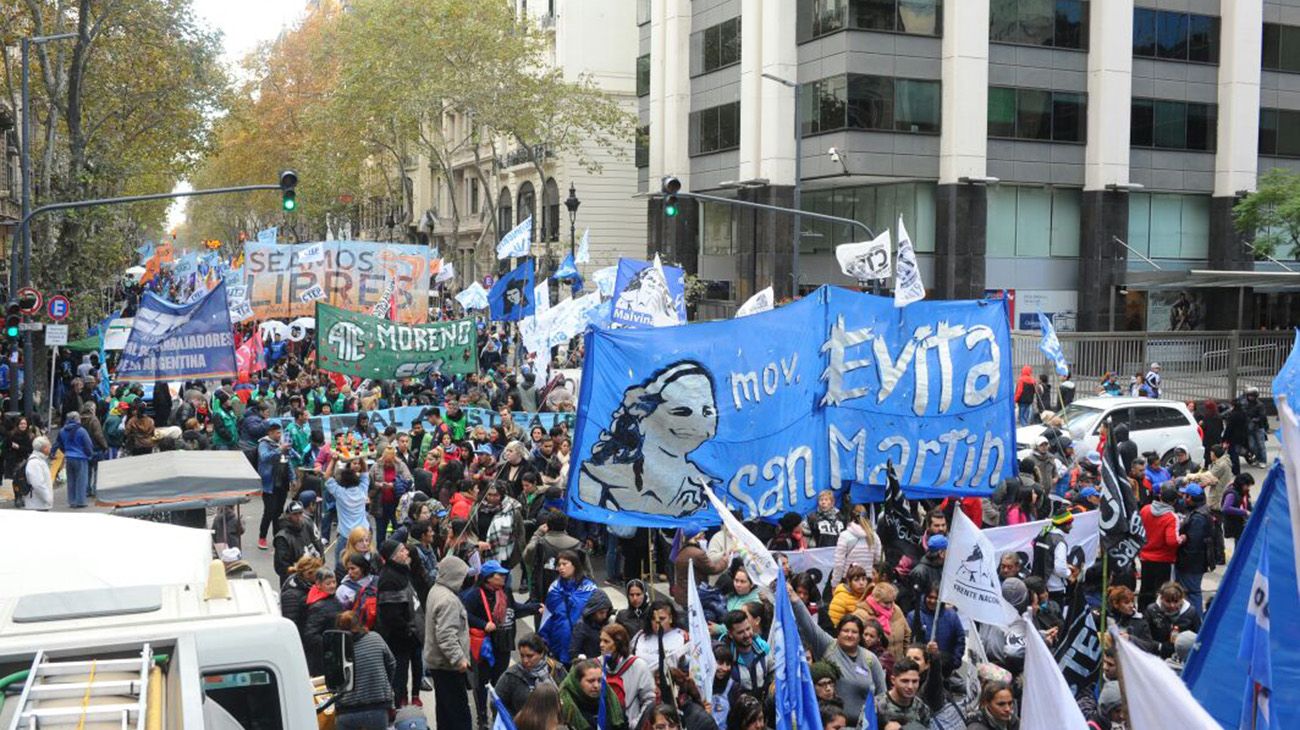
point(243, 24)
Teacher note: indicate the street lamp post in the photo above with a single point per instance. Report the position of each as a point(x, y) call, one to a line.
point(572, 203)
point(798, 182)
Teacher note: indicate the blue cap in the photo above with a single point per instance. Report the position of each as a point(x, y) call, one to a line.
point(1192, 490)
point(306, 497)
point(1089, 492)
point(493, 567)
point(483, 449)
point(937, 543)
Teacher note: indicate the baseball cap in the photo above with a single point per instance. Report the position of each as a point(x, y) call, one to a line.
point(306, 497)
point(493, 567)
point(1040, 441)
point(1192, 490)
point(1094, 458)
point(1155, 366)
point(1087, 492)
point(1181, 447)
point(483, 449)
point(937, 543)
point(294, 508)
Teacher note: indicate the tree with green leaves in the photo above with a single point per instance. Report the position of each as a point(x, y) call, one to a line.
point(1272, 214)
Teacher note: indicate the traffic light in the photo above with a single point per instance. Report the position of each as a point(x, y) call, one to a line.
point(288, 192)
point(13, 317)
point(670, 186)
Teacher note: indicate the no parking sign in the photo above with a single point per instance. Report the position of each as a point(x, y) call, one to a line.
point(58, 308)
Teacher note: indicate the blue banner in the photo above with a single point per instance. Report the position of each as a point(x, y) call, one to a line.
point(771, 408)
point(179, 341)
point(404, 416)
point(639, 299)
point(511, 298)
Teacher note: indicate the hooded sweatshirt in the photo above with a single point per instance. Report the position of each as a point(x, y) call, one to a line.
point(446, 625)
point(586, 633)
point(322, 609)
point(1161, 523)
point(1025, 385)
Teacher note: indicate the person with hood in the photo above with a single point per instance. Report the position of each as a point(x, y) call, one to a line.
point(446, 644)
point(74, 441)
point(322, 610)
point(636, 616)
point(1198, 550)
point(929, 571)
point(534, 669)
point(997, 709)
point(860, 672)
point(424, 557)
point(273, 468)
point(1124, 446)
point(1171, 615)
point(1161, 549)
point(584, 640)
point(396, 620)
point(930, 618)
point(252, 428)
point(294, 590)
point(36, 468)
point(294, 539)
point(857, 545)
point(1236, 505)
point(565, 601)
point(581, 698)
point(627, 675)
point(90, 420)
point(1026, 386)
point(1256, 426)
point(880, 607)
point(825, 524)
point(492, 611)
point(542, 551)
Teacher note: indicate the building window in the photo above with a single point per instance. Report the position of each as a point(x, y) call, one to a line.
point(721, 45)
point(1174, 36)
point(717, 230)
point(1033, 222)
point(877, 206)
point(473, 195)
point(1173, 125)
point(643, 146)
point(505, 213)
point(1279, 132)
point(715, 129)
point(817, 18)
point(642, 12)
point(551, 210)
point(527, 206)
point(1058, 116)
point(1055, 23)
point(1281, 47)
point(1169, 226)
point(643, 75)
point(857, 101)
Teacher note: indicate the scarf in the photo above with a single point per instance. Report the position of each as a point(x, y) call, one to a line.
point(883, 616)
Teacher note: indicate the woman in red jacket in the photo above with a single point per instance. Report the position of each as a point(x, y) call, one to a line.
point(1161, 550)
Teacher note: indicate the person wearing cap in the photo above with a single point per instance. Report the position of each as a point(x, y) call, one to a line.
point(1152, 380)
point(491, 611)
point(397, 620)
point(1182, 464)
point(483, 468)
point(1197, 551)
point(1046, 469)
point(1087, 499)
point(929, 571)
point(295, 538)
point(1051, 555)
point(1257, 426)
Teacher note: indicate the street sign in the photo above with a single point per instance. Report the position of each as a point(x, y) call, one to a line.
point(56, 335)
point(29, 300)
point(31, 326)
point(59, 308)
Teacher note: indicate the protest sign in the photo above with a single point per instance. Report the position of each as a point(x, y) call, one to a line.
point(404, 416)
point(773, 408)
point(179, 341)
point(313, 294)
point(352, 276)
point(371, 347)
point(641, 299)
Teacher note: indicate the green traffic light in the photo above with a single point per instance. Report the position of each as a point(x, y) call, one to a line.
point(11, 331)
point(670, 210)
point(290, 201)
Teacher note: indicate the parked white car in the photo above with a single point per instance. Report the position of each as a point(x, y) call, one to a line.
point(1154, 425)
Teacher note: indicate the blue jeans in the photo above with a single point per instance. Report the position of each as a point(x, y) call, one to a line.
point(1191, 582)
point(1026, 414)
point(613, 559)
point(78, 480)
point(364, 720)
point(1259, 444)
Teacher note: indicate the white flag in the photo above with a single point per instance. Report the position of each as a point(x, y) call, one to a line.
point(758, 560)
point(866, 260)
point(700, 655)
point(660, 316)
point(268, 235)
point(970, 575)
point(584, 248)
point(760, 302)
point(542, 298)
point(473, 297)
point(907, 286)
point(1291, 463)
point(313, 254)
point(517, 241)
point(1156, 698)
point(605, 279)
point(1047, 703)
point(446, 273)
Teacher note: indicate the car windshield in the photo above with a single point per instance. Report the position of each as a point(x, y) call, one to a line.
point(1080, 419)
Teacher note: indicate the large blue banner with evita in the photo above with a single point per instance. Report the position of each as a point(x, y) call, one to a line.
point(769, 409)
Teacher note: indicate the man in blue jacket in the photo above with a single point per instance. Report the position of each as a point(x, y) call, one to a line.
point(273, 468)
point(74, 441)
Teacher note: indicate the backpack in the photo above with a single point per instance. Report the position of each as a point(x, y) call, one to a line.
point(715, 606)
point(366, 604)
point(22, 488)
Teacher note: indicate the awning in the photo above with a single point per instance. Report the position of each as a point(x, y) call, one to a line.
point(175, 477)
point(1212, 279)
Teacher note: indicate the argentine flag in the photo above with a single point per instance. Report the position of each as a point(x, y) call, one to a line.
point(1254, 647)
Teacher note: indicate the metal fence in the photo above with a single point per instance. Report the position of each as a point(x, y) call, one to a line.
point(1194, 365)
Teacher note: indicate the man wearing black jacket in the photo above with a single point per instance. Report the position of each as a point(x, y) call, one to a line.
point(1193, 554)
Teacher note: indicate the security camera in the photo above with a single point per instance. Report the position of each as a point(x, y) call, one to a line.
point(834, 153)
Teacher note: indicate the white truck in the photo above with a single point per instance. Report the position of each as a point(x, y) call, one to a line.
point(114, 622)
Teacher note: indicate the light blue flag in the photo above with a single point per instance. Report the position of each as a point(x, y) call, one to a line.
point(605, 279)
point(268, 235)
point(567, 269)
point(1255, 650)
point(796, 697)
point(584, 248)
point(517, 241)
point(503, 720)
point(1051, 345)
point(145, 251)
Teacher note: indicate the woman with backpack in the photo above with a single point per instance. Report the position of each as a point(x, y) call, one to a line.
point(492, 612)
point(359, 585)
point(629, 677)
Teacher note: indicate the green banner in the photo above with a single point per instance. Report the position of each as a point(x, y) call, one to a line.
point(370, 347)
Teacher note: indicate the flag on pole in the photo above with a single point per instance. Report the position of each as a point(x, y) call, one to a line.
point(907, 282)
point(446, 273)
point(796, 697)
point(1155, 696)
point(756, 557)
point(268, 235)
point(566, 270)
point(517, 242)
point(970, 575)
point(1122, 533)
point(584, 248)
point(503, 720)
point(1255, 648)
point(865, 260)
point(1051, 345)
point(700, 653)
point(512, 296)
point(1291, 464)
point(473, 297)
point(1047, 702)
point(760, 302)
